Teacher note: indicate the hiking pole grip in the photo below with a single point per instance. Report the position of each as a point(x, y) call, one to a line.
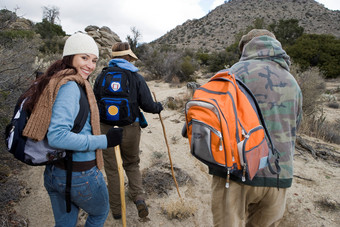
point(167, 145)
point(121, 183)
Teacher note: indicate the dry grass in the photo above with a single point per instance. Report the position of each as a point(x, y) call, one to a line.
point(314, 94)
point(328, 205)
point(178, 102)
point(178, 209)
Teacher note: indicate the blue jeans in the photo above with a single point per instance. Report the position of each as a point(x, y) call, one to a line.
point(88, 192)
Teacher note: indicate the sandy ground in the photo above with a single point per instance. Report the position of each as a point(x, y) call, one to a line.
point(313, 200)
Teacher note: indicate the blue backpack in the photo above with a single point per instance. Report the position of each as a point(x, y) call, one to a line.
point(116, 101)
point(37, 153)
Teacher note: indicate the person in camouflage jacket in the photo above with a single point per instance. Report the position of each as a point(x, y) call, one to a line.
point(264, 68)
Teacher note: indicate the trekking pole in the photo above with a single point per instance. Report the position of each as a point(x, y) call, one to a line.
point(121, 183)
point(166, 141)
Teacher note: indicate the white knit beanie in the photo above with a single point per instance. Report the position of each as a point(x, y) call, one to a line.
point(80, 43)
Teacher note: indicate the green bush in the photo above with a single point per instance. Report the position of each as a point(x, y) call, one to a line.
point(187, 68)
point(202, 57)
point(217, 61)
point(48, 30)
point(286, 31)
point(322, 51)
point(52, 45)
point(7, 36)
point(52, 35)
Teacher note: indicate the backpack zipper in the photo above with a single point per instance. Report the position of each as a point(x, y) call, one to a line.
point(228, 178)
point(216, 104)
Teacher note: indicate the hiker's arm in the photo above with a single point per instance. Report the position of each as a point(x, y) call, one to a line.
point(64, 112)
point(145, 99)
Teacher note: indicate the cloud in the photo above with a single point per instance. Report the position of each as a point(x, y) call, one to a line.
point(153, 18)
point(330, 4)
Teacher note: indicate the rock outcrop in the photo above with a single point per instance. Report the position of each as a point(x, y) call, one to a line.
point(104, 37)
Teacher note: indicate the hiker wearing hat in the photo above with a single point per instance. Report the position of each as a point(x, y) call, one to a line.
point(140, 97)
point(264, 68)
point(54, 100)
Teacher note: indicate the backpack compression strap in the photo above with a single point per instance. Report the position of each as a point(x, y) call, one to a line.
point(79, 123)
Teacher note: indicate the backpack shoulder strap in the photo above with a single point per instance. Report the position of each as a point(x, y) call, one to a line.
point(79, 123)
point(274, 150)
point(84, 108)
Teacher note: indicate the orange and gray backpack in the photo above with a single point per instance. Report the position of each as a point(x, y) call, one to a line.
point(226, 129)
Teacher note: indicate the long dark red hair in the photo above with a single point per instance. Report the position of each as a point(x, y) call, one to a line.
point(34, 92)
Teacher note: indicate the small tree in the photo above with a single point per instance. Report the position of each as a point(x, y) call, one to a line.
point(51, 14)
point(133, 41)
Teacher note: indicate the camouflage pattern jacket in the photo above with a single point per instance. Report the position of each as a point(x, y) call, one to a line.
point(264, 68)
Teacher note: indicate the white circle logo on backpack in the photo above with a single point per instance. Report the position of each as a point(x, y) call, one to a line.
point(115, 86)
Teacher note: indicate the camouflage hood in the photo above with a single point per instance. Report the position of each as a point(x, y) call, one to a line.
point(266, 48)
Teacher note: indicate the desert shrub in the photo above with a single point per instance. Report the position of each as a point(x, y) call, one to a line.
point(286, 31)
point(314, 121)
point(331, 132)
point(328, 204)
point(318, 127)
point(322, 51)
point(178, 102)
point(7, 36)
point(166, 62)
point(233, 54)
point(52, 45)
point(217, 61)
point(312, 86)
point(188, 67)
point(202, 57)
point(312, 125)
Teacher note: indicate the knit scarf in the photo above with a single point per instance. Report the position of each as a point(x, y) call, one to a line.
point(37, 124)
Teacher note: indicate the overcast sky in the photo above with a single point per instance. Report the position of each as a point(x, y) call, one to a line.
point(152, 18)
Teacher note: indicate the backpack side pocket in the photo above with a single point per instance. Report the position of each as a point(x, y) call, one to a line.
point(254, 151)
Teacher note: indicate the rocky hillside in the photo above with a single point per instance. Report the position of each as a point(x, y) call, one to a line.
point(218, 28)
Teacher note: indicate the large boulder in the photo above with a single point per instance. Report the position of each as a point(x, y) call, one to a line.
point(104, 37)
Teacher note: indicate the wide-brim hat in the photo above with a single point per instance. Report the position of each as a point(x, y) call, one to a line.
point(123, 53)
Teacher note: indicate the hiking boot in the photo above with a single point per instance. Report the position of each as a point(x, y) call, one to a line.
point(142, 208)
